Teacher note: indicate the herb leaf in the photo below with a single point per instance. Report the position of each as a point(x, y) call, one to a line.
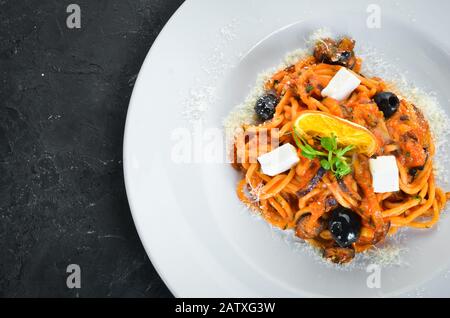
point(325, 164)
point(308, 155)
point(333, 160)
point(296, 139)
point(342, 169)
point(342, 152)
point(328, 143)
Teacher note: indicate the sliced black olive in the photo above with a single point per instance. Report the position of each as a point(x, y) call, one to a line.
point(345, 226)
point(387, 102)
point(265, 106)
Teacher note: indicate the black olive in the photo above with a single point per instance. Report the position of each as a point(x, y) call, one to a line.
point(345, 226)
point(414, 171)
point(265, 106)
point(344, 57)
point(387, 102)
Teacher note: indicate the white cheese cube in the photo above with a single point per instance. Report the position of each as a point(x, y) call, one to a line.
point(341, 85)
point(279, 160)
point(385, 175)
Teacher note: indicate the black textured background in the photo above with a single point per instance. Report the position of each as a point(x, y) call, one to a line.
point(64, 95)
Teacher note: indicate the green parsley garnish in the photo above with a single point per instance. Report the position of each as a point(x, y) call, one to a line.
point(309, 88)
point(332, 159)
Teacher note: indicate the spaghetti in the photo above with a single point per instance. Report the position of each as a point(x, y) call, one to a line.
point(303, 197)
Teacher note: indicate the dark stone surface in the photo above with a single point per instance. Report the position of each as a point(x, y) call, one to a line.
point(64, 95)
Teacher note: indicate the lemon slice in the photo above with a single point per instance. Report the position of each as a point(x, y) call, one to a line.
point(320, 124)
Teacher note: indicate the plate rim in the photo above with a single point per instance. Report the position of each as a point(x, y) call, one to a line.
point(126, 143)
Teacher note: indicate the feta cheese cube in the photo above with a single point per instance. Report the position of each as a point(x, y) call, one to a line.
point(341, 85)
point(385, 175)
point(278, 160)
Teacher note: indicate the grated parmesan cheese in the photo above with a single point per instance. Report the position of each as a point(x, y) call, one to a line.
point(293, 58)
point(199, 99)
point(318, 35)
point(197, 103)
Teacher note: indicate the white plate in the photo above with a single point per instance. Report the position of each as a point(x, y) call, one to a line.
point(194, 229)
